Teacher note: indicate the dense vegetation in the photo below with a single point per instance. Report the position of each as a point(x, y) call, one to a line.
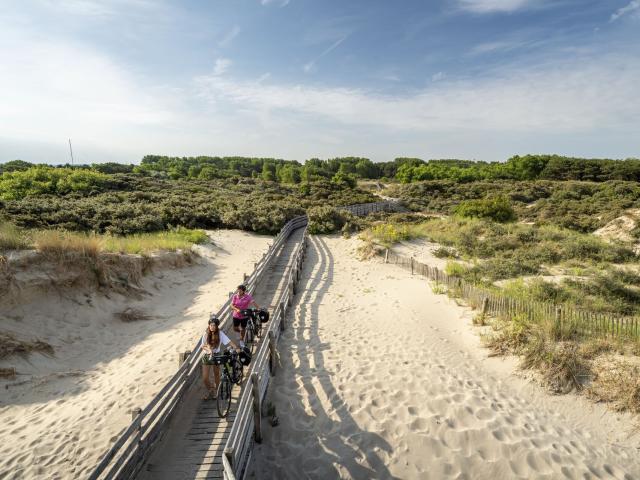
point(91, 201)
point(582, 206)
point(597, 275)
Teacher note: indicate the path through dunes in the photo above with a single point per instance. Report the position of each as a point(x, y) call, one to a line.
point(194, 443)
point(381, 378)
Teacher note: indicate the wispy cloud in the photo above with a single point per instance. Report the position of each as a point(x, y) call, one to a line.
point(311, 65)
point(279, 3)
point(491, 6)
point(571, 97)
point(633, 8)
point(229, 36)
point(492, 47)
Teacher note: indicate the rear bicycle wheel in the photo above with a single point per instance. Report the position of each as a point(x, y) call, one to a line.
point(223, 402)
point(249, 337)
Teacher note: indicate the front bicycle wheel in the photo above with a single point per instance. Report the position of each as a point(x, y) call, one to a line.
point(259, 329)
point(224, 397)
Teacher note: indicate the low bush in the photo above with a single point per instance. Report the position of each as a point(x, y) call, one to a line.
point(498, 209)
point(326, 219)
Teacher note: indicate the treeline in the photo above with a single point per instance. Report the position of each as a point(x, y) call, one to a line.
point(349, 169)
point(528, 167)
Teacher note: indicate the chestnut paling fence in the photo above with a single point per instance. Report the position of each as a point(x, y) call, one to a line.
point(129, 452)
point(567, 321)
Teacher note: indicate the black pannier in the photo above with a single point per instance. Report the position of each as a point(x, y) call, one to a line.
point(263, 316)
point(245, 356)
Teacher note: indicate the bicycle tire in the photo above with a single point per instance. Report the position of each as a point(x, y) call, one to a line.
point(223, 402)
point(249, 337)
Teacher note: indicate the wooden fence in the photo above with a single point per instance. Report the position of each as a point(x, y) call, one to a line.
point(129, 452)
point(367, 208)
point(567, 321)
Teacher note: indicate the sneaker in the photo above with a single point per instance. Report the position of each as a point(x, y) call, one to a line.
point(241, 344)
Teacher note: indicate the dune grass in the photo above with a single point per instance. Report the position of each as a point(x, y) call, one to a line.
point(11, 237)
point(58, 243)
point(179, 239)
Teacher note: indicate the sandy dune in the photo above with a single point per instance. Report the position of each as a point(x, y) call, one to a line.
point(381, 378)
point(62, 413)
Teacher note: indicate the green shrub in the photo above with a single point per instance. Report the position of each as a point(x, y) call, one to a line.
point(42, 179)
point(498, 209)
point(325, 219)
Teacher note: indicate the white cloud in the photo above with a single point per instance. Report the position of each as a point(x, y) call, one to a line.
point(229, 36)
point(436, 77)
point(572, 97)
point(491, 6)
point(632, 8)
point(221, 66)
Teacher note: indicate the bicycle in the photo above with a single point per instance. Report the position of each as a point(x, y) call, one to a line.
point(254, 327)
point(230, 373)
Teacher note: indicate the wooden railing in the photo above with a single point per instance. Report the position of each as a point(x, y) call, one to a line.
point(567, 320)
point(127, 455)
point(247, 425)
point(367, 208)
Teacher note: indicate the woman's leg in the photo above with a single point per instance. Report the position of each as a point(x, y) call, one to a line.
point(216, 377)
point(206, 373)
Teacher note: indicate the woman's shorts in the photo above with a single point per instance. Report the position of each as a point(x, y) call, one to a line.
point(240, 321)
point(209, 360)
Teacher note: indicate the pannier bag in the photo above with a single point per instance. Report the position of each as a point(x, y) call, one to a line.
point(263, 316)
point(245, 356)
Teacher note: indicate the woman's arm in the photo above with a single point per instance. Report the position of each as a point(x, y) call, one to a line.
point(255, 304)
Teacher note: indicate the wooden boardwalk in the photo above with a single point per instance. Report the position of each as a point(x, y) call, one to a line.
point(193, 445)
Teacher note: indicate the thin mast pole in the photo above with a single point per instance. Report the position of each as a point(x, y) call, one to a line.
point(71, 150)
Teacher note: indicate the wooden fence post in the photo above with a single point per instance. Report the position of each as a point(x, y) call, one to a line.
point(272, 353)
point(228, 452)
point(283, 323)
point(257, 416)
point(244, 277)
point(136, 417)
point(411, 265)
point(182, 357)
point(485, 305)
point(559, 321)
point(386, 255)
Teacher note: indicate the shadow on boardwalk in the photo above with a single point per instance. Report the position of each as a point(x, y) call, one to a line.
point(315, 439)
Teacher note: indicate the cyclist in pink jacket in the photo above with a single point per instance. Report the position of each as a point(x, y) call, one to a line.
point(241, 301)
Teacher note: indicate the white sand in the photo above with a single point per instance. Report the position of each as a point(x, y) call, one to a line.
point(381, 378)
point(62, 413)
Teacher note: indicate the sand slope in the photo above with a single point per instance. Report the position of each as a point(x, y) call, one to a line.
point(381, 378)
point(62, 413)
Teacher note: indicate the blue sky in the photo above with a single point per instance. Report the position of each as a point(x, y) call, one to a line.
point(480, 79)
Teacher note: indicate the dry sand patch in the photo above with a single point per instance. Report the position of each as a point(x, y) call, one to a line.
point(381, 378)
